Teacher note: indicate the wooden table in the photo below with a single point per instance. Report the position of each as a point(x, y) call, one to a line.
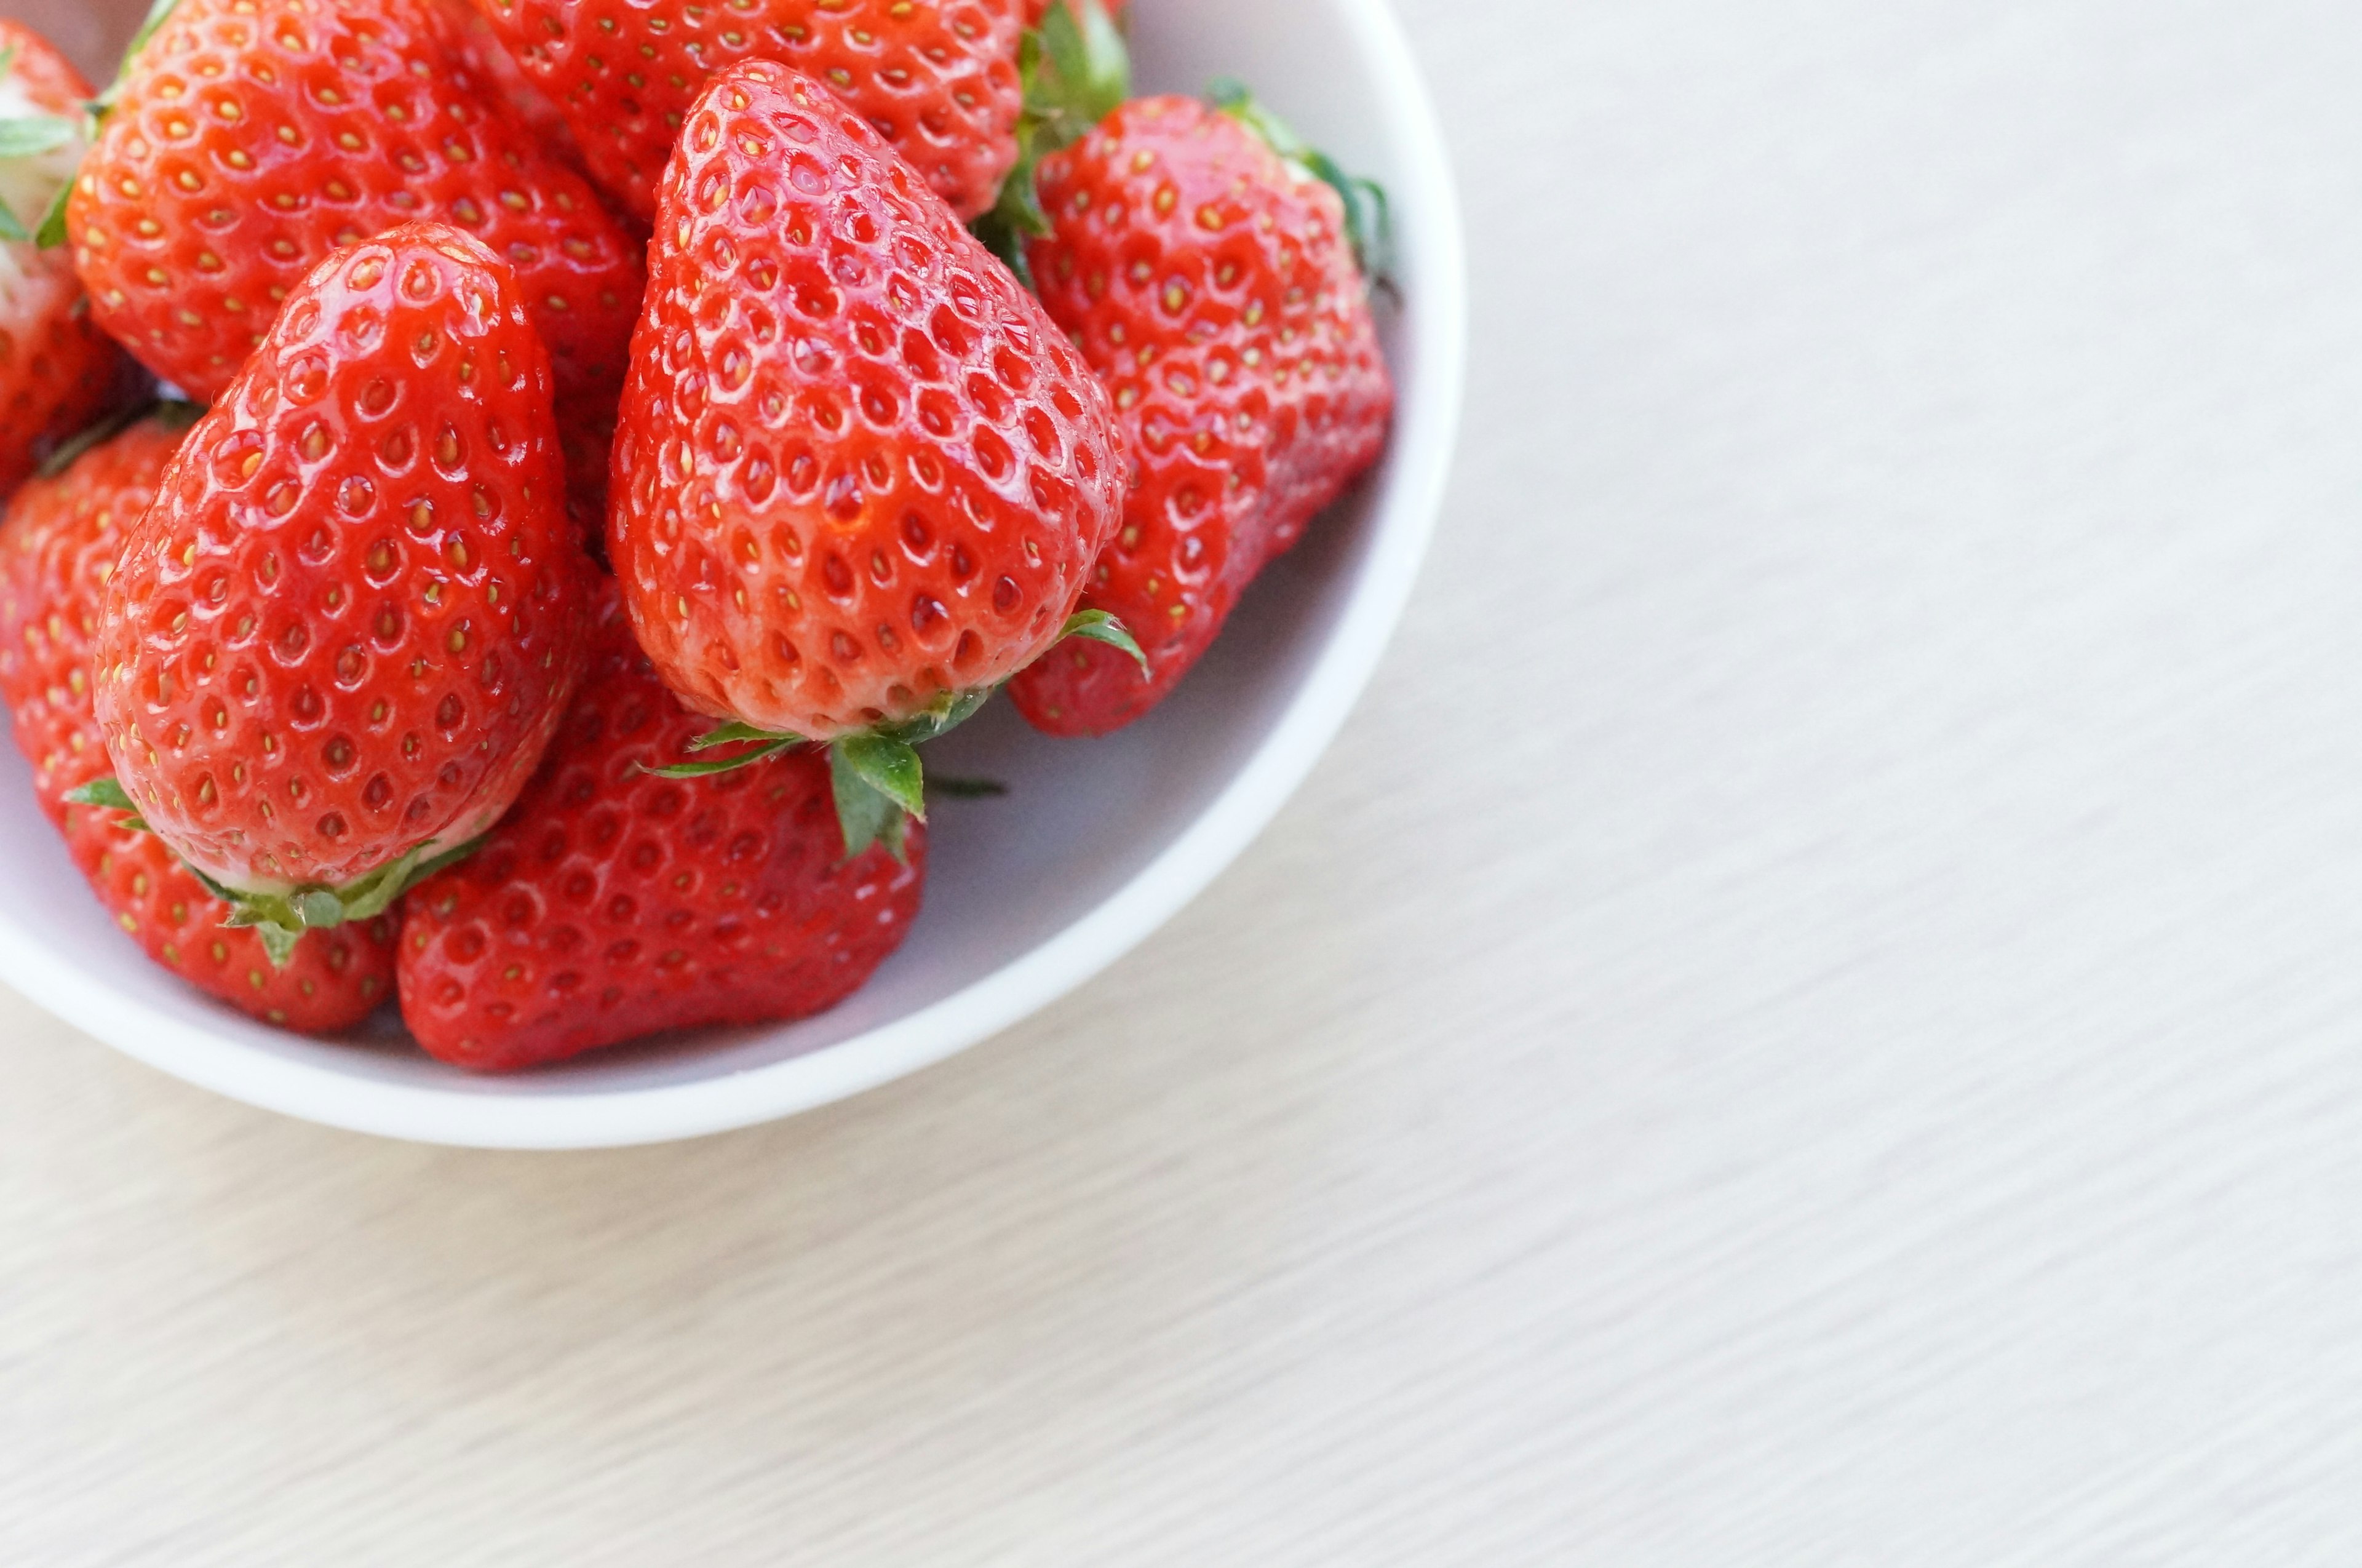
point(1811, 1018)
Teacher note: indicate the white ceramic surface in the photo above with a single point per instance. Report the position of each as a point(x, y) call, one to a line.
point(1096, 843)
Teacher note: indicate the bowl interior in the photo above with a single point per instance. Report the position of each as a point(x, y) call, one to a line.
point(1096, 841)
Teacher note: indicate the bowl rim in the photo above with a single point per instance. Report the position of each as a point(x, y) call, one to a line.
point(1403, 518)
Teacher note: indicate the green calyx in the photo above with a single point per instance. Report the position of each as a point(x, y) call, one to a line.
point(51, 230)
point(770, 743)
point(1077, 72)
point(1098, 627)
point(104, 793)
point(880, 786)
point(1369, 222)
point(282, 919)
point(29, 135)
point(26, 135)
point(876, 776)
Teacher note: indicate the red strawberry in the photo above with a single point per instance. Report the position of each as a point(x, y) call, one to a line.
point(860, 475)
point(613, 902)
point(58, 371)
point(936, 78)
point(57, 548)
point(1212, 284)
point(337, 644)
point(251, 138)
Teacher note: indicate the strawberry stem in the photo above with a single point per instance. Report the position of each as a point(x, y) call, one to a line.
point(51, 231)
point(282, 919)
point(1077, 72)
point(26, 135)
point(876, 773)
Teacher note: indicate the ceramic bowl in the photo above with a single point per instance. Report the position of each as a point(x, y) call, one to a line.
point(1098, 842)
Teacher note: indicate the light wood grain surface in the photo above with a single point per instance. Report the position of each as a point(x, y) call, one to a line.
point(1811, 1018)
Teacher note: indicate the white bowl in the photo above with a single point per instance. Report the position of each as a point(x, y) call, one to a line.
point(1098, 842)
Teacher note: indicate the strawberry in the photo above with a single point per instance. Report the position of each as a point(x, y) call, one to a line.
point(249, 139)
point(337, 644)
point(860, 475)
point(58, 371)
point(936, 78)
point(1212, 284)
point(57, 548)
point(613, 902)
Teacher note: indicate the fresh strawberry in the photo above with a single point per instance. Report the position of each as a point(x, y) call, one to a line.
point(249, 139)
point(58, 371)
point(57, 548)
point(859, 476)
point(1212, 284)
point(936, 78)
point(339, 642)
point(613, 902)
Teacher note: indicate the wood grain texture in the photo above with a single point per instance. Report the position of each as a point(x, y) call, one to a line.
point(1811, 1018)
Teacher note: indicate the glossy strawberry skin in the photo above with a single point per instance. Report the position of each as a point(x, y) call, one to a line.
point(858, 467)
point(57, 370)
point(936, 78)
point(612, 903)
point(354, 614)
point(1214, 290)
point(57, 548)
point(242, 152)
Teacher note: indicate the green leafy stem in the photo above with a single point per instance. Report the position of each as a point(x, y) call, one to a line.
point(1076, 71)
point(30, 136)
point(282, 919)
point(875, 777)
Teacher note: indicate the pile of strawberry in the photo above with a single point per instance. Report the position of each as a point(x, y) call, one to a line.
point(515, 487)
